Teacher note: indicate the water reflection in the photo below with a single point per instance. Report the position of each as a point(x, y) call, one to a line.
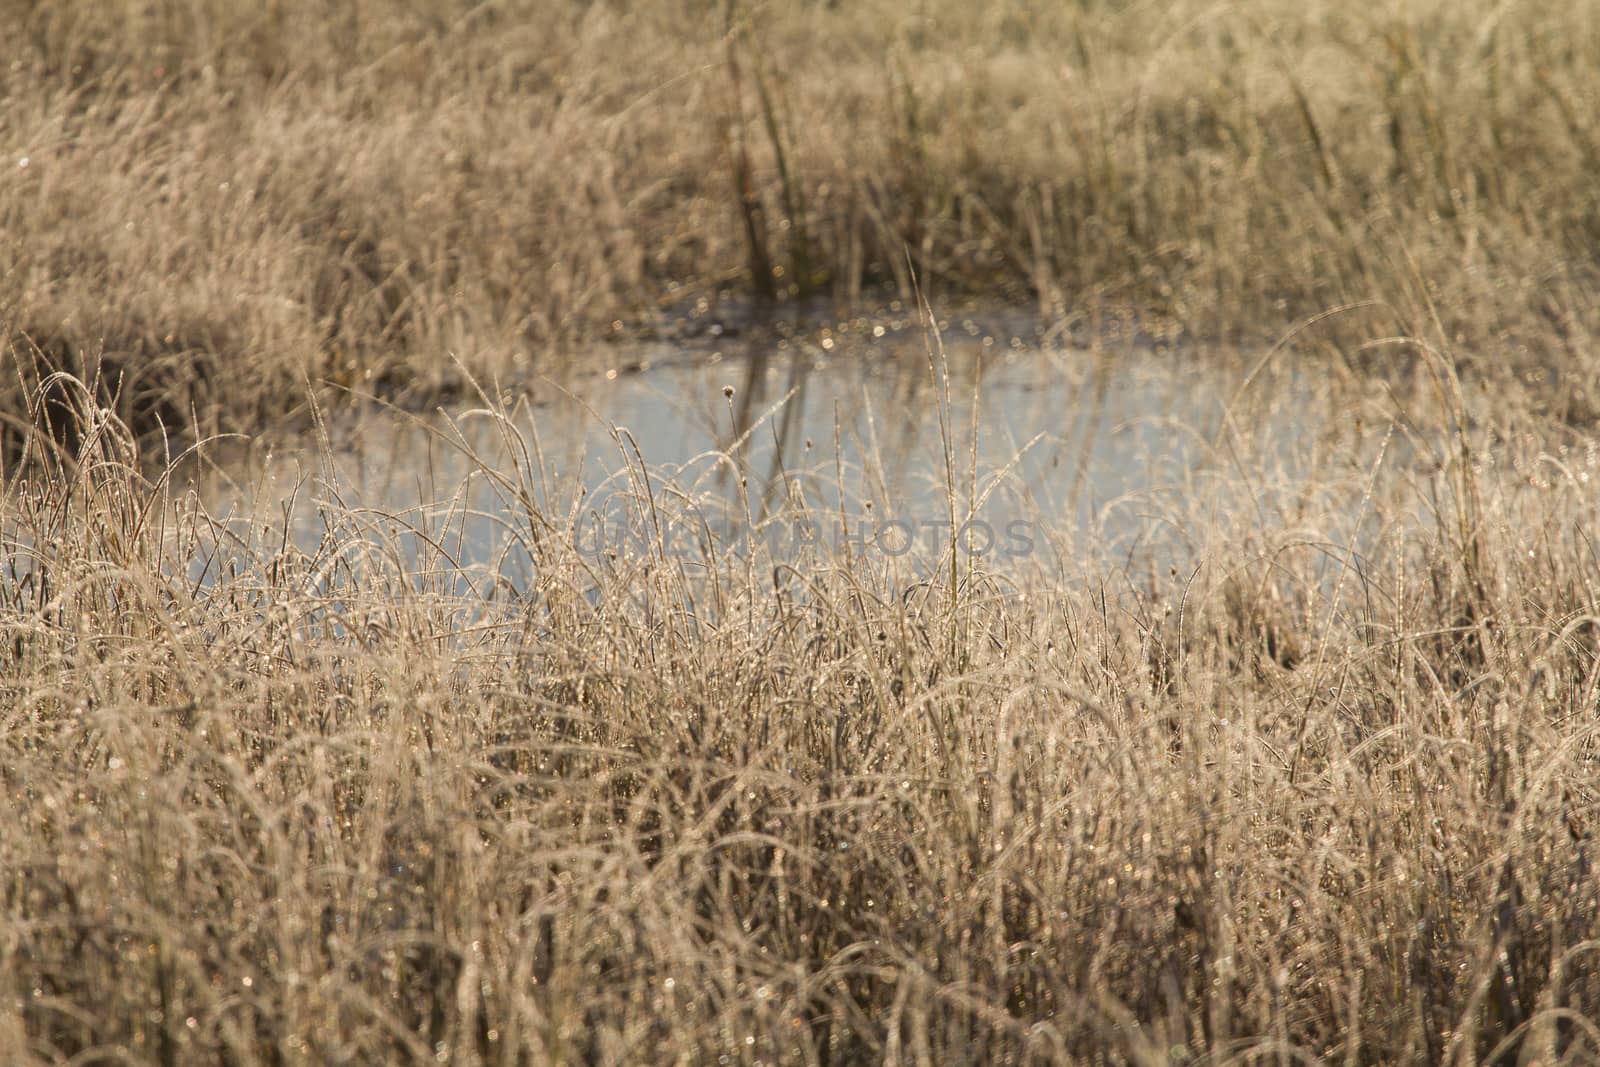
point(1098, 454)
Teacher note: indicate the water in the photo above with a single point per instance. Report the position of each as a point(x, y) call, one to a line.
point(1030, 452)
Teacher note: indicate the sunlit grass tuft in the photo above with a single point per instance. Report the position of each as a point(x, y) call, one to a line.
point(336, 803)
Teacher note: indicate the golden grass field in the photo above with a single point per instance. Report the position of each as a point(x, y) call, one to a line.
point(1299, 800)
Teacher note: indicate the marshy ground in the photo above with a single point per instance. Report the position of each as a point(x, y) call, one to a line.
point(1281, 745)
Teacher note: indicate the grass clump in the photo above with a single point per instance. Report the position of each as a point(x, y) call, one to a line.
point(342, 192)
point(262, 803)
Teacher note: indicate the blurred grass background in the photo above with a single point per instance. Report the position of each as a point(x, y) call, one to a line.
point(260, 194)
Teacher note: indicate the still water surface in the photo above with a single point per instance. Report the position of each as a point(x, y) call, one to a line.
point(1053, 453)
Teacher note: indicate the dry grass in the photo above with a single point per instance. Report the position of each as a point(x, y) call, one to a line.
point(243, 196)
point(332, 806)
point(1289, 801)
